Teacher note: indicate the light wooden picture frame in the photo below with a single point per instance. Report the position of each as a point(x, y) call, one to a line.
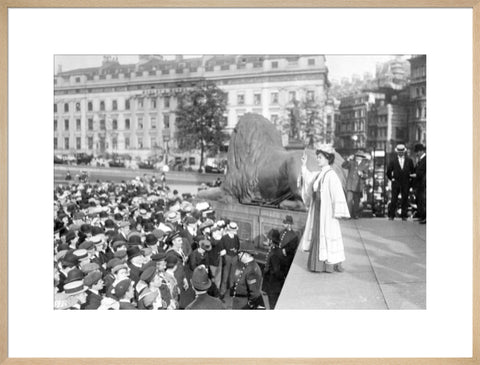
point(4, 176)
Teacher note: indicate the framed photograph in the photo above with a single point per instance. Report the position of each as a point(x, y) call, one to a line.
point(267, 156)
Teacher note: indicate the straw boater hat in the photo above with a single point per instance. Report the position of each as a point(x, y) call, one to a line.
point(400, 148)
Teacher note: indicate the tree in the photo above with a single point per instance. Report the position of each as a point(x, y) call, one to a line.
point(200, 120)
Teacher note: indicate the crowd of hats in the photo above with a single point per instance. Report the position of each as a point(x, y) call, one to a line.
point(102, 228)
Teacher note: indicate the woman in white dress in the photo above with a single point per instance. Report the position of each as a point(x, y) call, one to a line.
point(323, 194)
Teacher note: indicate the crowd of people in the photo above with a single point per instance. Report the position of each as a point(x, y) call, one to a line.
point(138, 245)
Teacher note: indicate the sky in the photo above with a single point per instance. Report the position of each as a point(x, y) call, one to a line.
point(339, 65)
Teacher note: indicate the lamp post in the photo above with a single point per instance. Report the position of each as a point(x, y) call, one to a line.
point(166, 139)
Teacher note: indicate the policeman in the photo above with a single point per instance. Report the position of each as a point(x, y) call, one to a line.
point(247, 283)
point(288, 243)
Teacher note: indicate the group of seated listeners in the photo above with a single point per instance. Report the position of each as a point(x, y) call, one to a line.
point(137, 245)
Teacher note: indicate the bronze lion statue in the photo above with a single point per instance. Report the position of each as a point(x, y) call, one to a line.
point(260, 170)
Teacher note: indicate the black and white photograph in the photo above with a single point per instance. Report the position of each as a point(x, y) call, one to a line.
point(239, 182)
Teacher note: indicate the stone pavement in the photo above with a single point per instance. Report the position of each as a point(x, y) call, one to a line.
point(385, 268)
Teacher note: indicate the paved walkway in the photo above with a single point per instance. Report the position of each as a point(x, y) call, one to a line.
point(385, 268)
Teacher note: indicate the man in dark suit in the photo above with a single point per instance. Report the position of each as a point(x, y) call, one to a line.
point(357, 167)
point(288, 243)
point(420, 182)
point(398, 172)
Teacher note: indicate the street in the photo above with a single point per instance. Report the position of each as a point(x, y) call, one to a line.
point(184, 182)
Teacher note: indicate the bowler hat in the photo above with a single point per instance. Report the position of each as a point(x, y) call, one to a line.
point(133, 251)
point(109, 224)
point(134, 240)
point(74, 275)
point(150, 239)
point(419, 147)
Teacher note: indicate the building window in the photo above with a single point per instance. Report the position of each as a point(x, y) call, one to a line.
point(79, 124)
point(127, 123)
point(55, 143)
point(154, 103)
point(139, 143)
point(153, 142)
point(257, 99)
point(274, 98)
point(79, 143)
point(77, 107)
point(310, 95)
point(292, 95)
point(275, 64)
point(90, 106)
point(67, 124)
point(140, 103)
point(90, 143)
point(90, 124)
point(102, 125)
point(153, 122)
point(127, 104)
point(140, 123)
point(311, 61)
point(67, 143)
point(240, 99)
point(127, 143)
point(114, 105)
point(102, 105)
point(55, 108)
point(166, 121)
point(114, 143)
point(114, 124)
point(65, 107)
point(166, 101)
point(55, 124)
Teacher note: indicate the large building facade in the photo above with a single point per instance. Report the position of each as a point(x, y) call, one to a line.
point(130, 109)
point(417, 127)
